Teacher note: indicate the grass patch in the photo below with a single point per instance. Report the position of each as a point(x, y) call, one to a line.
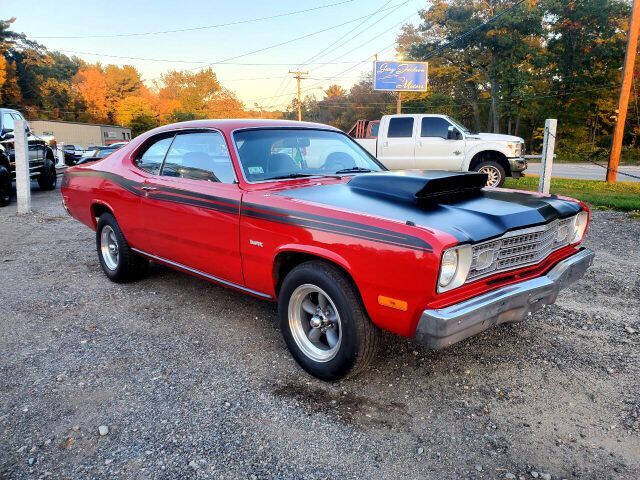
point(624, 196)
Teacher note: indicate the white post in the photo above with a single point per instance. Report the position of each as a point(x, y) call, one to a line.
point(23, 180)
point(60, 154)
point(548, 146)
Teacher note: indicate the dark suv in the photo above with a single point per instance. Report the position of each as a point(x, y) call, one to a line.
point(42, 165)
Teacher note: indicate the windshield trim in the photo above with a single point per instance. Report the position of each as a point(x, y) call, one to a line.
point(327, 175)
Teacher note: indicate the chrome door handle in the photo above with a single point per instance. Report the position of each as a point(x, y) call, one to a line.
point(457, 152)
point(149, 188)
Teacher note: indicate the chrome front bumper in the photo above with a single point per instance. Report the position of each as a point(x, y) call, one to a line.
point(439, 328)
point(518, 165)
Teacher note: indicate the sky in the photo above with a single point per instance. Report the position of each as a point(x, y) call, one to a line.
point(339, 33)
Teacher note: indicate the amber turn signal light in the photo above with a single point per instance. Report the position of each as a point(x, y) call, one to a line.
point(392, 303)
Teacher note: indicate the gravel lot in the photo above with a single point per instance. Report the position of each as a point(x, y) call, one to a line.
point(194, 381)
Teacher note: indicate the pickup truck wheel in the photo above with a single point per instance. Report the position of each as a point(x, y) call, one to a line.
point(48, 177)
point(118, 261)
point(5, 187)
point(494, 171)
point(324, 323)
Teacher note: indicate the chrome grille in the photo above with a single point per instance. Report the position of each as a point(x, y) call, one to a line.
point(519, 248)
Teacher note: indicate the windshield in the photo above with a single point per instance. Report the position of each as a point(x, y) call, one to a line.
point(274, 153)
point(458, 125)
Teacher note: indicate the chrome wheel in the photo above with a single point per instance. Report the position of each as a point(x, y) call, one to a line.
point(493, 175)
point(314, 323)
point(109, 247)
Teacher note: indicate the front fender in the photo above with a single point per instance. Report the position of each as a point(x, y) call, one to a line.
point(315, 251)
point(473, 150)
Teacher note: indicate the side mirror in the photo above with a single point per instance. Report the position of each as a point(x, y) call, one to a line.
point(6, 133)
point(453, 133)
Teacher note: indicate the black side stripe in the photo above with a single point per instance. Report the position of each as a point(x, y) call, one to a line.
point(334, 225)
point(168, 194)
point(195, 202)
point(275, 214)
point(325, 219)
point(408, 242)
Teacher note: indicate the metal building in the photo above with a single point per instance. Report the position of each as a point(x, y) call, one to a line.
point(81, 134)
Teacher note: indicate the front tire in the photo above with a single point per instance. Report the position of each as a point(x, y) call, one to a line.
point(119, 263)
point(495, 173)
point(5, 187)
point(324, 323)
point(48, 177)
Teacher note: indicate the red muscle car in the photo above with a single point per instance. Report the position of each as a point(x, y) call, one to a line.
point(300, 214)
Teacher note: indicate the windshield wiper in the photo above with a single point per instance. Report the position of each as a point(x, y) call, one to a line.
point(292, 175)
point(354, 170)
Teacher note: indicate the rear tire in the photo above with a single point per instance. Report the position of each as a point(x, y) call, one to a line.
point(324, 323)
point(6, 188)
point(119, 263)
point(48, 177)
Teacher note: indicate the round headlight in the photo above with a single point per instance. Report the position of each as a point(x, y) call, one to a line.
point(579, 226)
point(448, 267)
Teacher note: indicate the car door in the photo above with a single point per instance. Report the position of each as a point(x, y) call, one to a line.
point(191, 206)
point(396, 149)
point(434, 150)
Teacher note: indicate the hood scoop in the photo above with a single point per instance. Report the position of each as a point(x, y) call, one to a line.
point(421, 187)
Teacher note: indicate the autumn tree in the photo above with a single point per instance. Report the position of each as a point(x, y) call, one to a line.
point(91, 85)
point(335, 91)
point(121, 83)
point(3, 71)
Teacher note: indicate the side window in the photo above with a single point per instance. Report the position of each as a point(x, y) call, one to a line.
point(199, 156)
point(400, 127)
point(434, 127)
point(151, 158)
point(7, 121)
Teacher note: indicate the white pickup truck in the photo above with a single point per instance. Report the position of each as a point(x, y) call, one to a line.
point(438, 142)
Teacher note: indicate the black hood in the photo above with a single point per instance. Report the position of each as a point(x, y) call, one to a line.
point(445, 201)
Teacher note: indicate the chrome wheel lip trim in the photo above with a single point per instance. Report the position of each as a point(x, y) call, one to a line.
point(299, 333)
point(109, 248)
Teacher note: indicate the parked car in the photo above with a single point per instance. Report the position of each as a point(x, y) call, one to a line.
point(439, 142)
point(72, 154)
point(96, 153)
point(41, 159)
point(300, 214)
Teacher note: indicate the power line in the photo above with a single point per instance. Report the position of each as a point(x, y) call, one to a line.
point(284, 84)
point(178, 61)
point(286, 42)
point(365, 20)
point(311, 87)
point(205, 27)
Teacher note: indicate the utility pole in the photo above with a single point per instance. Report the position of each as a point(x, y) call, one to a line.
point(625, 89)
point(298, 75)
point(399, 103)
